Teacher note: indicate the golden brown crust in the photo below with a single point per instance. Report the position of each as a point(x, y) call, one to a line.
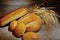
point(13, 15)
point(31, 36)
point(19, 30)
point(12, 26)
point(32, 22)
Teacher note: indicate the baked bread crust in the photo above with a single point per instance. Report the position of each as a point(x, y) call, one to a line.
point(13, 15)
point(31, 21)
point(31, 36)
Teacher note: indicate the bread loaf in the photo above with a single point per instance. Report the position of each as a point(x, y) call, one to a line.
point(13, 15)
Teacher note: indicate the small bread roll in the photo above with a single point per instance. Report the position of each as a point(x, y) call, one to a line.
point(19, 30)
point(31, 36)
point(13, 15)
point(12, 26)
point(32, 22)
